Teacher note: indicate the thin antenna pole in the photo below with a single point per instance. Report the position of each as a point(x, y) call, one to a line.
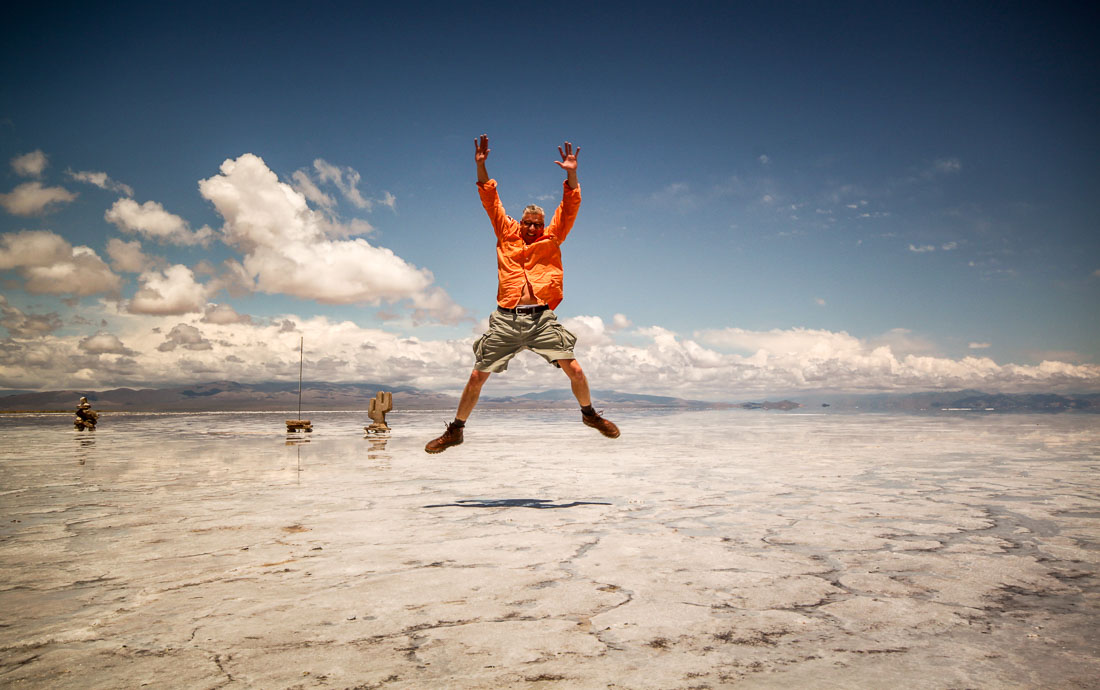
point(301, 360)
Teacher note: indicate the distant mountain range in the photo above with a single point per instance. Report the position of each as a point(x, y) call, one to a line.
point(964, 400)
point(218, 396)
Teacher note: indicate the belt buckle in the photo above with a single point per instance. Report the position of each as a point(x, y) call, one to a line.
point(528, 309)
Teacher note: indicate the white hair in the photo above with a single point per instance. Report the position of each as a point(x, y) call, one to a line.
point(531, 208)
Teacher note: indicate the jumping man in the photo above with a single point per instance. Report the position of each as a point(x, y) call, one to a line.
point(529, 288)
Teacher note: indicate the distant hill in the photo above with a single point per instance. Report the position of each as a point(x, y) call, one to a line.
point(564, 398)
point(229, 396)
point(1032, 402)
point(958, 401)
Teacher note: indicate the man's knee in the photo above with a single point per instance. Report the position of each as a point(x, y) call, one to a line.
point(477, 378)
point(572, 368)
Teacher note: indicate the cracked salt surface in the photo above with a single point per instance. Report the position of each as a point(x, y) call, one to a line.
point(700, 549)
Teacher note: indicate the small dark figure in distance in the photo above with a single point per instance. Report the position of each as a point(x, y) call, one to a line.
point(86, 417)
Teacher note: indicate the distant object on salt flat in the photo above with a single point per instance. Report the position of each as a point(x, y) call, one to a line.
point(380, 404)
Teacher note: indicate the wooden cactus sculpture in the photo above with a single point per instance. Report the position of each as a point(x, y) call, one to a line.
point(380, 404)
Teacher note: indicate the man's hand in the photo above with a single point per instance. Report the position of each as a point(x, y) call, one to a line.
point(481, 152)
point(481, 149)
point(568, 163)
point(568, 157)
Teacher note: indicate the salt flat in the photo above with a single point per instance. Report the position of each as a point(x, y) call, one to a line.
point(699, 550)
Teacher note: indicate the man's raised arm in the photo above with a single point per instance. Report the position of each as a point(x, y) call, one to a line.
point(566, 213)
point(481, 152)
point(488, 192)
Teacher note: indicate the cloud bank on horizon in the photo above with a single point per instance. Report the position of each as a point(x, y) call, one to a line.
point(217, 343)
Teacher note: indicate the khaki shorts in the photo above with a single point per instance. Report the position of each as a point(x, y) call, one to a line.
point(509, 333)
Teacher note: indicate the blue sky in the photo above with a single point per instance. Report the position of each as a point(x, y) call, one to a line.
point(778, 197)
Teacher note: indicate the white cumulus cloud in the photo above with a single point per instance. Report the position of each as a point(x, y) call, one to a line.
point(31, 199)
point(31, 164)
point(290, 248)
point(128, 257)
point(23, 325)
point(346, 180)
point(101, 180)
point(224, 314)
point(50, 265)
point(806, 359)
point(152, 221)
point(186, 336)
point(388, 200)
point(309, 189)
point(171, 291)
point(104, 343)
point(590, 330)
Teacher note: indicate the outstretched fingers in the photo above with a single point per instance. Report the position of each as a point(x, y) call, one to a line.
point(569, 151)
point(481, 146)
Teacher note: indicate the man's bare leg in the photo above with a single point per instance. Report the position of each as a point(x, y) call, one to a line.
point(579, 383)
point(470, 394)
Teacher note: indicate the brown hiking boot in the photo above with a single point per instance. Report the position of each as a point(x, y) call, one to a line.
point(604, 426)
point(451, 437)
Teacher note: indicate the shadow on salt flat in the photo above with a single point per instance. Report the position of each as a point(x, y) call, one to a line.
point(514, 503)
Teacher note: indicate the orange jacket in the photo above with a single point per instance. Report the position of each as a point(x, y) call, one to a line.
point(538, 262)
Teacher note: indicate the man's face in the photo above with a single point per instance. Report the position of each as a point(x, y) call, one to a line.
point(530, 226)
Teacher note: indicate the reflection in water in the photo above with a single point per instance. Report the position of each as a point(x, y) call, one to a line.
point(694, 449)
point(377, 449)
point(85, 442)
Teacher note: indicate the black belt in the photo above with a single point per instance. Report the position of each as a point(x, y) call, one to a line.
point(525, 309)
